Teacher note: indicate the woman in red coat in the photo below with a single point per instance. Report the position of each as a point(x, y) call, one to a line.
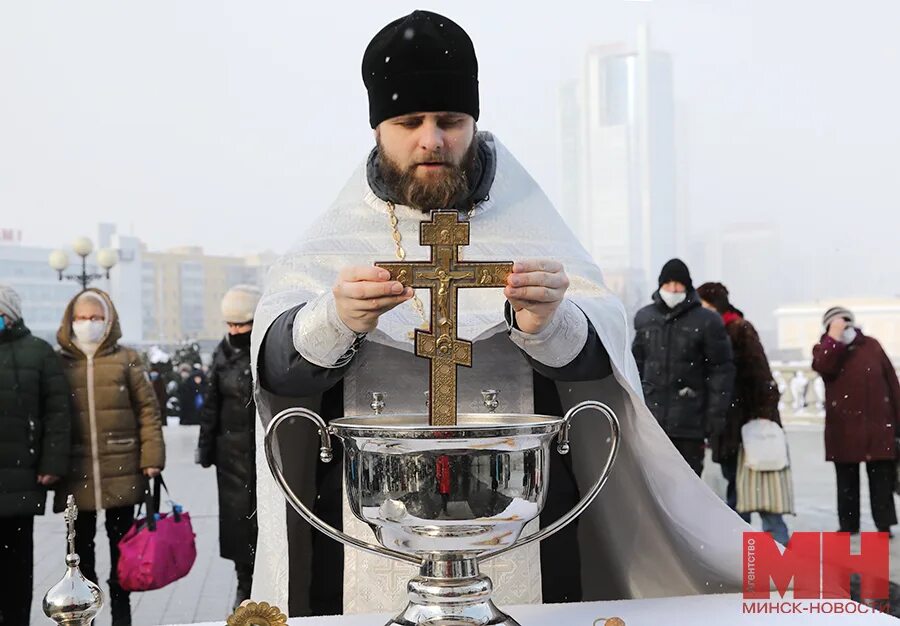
point(862, 411)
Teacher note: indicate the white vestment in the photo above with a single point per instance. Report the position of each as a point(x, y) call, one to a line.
point(655, 529)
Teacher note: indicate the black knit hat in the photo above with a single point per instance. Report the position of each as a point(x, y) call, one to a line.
point(420, 62)
point(676, 270)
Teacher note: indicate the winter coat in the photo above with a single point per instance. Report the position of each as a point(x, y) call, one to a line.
point(35, 421)
point(227, 440)
point(755, 394)
point(116, 428)
point(191, 396)
point(685, 361)
point(862, 399)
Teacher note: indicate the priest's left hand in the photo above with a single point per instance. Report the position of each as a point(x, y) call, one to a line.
point(535, 289)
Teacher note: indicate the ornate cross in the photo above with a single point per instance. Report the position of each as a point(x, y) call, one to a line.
point(70, 516)
point(444, 274)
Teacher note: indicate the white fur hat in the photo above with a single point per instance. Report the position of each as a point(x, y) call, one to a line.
point(239, 303)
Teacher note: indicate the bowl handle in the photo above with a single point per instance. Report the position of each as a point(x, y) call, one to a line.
point(563, 447)
point(326, 455)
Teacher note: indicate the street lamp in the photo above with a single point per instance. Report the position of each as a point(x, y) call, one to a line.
point(106, 258)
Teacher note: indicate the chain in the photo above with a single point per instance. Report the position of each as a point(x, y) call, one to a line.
point(401, 255)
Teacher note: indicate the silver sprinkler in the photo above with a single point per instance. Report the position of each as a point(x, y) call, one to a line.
point(74, 600)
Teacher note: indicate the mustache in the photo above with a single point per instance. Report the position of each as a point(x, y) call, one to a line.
point(437, 160)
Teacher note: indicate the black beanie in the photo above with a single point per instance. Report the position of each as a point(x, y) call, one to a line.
point(420, 62)
point(676, 270)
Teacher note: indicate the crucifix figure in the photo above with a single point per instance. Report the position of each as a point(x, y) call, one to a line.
point(71, 515)
point(444, 274)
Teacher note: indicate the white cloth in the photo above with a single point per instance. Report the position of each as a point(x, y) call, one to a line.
point(320, 336)
point(670, 508)
point(560, 342)
point(710, 610)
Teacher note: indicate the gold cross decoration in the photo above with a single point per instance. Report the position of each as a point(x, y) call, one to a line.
point(443, 274)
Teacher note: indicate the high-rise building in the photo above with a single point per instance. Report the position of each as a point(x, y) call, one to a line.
point(618, 152)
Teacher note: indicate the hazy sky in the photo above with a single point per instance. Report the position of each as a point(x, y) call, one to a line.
point(231, 124)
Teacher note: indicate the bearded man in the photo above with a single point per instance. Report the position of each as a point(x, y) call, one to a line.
point(332, 328)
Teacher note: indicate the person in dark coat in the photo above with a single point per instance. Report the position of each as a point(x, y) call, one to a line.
point(686, 363)
point(35, 430)
point(227, 431)
point(862, 410)
point(755, 396)
point(191, 396)
point(162, 397)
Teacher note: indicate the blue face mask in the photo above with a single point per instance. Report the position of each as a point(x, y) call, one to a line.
point(2, 323)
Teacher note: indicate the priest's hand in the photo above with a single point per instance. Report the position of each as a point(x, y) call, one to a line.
point(363, 293)
point(535, 289)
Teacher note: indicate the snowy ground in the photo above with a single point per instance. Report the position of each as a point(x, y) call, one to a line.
point(207, 592)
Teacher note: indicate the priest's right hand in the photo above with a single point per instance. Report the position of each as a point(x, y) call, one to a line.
point(363, 293)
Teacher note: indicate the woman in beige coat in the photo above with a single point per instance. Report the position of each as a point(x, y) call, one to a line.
point(116, 432)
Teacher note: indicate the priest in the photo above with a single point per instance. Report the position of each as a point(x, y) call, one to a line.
point(332, 329)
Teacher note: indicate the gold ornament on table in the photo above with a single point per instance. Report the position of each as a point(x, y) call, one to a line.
point(257, 614)
point(444, 274)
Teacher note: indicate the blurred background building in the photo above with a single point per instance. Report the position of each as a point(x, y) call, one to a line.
point(163, 297)
point(617, 126)
point(800, 325)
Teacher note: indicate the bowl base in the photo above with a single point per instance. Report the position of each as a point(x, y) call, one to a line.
point(451, 593)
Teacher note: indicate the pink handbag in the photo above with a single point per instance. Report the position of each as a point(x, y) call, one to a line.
point(157, 549)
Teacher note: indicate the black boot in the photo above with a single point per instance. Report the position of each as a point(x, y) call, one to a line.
point(119, 605)
point(244, 582)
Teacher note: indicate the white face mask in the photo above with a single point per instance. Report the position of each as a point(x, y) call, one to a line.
point(87, 331)
point(672, 299)
point(849, 335)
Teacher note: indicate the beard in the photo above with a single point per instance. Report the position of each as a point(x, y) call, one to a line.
point(441, 191)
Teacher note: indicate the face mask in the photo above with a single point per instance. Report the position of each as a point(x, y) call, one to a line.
point(2, 323)
point(672, 299)
point(241, 341)
point(87, 331)
point(849, 335)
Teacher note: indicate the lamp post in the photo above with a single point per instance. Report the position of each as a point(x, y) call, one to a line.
point(106, 258)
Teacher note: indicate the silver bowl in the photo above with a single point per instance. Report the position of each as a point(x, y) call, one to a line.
point(445, 498)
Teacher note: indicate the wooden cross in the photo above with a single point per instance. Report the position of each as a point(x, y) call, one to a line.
point(444, 274)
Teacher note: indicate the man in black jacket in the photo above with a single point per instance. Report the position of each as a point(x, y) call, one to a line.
point(34, 448)
point(686, 363)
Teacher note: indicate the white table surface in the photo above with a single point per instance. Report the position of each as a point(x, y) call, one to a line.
point(708, 610)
